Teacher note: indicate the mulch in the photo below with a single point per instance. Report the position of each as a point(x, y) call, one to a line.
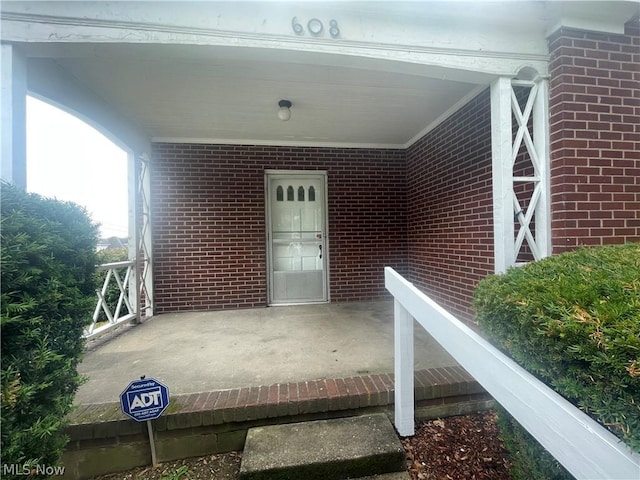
point(465, 447)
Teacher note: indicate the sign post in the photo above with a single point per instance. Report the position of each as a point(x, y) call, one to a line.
point(145, 400)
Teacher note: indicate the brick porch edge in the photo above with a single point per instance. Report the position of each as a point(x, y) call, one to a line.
point(433, 387)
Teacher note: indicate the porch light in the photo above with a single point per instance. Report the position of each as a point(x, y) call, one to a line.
point(284, 113)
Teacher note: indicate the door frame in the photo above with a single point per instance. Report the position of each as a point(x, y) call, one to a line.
point(268, 173)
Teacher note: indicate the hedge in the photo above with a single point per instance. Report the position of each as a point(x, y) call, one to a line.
point(573, 320)
point(48, 293)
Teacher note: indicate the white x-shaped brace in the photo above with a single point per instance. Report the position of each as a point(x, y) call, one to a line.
point(123, 286)
point(523, 134)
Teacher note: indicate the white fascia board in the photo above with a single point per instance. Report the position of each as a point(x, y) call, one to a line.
point(473, 47)
point(603, 17)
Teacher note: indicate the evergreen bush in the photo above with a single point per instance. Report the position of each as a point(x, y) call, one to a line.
point(48, 260)
point(573, 320)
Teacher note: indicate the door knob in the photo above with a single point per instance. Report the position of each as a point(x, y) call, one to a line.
point(320, 247)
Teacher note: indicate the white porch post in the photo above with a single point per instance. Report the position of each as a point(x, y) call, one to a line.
point(132, 228)
point(533, 133)
point(403, 372)
point(141, 240)
point(502, 168)
point(13, 104)
point(541, 143)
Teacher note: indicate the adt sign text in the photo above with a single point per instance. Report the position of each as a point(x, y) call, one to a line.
point(144, 399)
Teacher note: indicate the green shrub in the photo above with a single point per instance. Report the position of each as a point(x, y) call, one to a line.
point(48, 292)
point(112, 255)
point(573, 320)
point(529, 460)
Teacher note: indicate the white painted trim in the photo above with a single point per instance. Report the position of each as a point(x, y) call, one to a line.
point(452, 110)
point(585, 448)
point(541, 140)
point(13, 126)
point(602, 25)
point(50, 83)
point(502, 175)
point(275, 171)
point(132, 226)
point(239, 38)
point(276, 143)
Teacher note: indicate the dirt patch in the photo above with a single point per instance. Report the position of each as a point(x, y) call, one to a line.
point(223, 466)
point(466, 447)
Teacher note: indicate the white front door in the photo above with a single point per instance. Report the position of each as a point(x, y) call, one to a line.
point(297, 247)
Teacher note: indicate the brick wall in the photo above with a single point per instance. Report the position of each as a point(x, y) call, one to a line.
point(595, 137)
point(450, 223)
point(209, 221)
point(426, 211)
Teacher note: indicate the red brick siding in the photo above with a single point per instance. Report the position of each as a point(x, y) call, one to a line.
point(595, 138)
point(209, 221)
point(450, 207)
point(426, 211)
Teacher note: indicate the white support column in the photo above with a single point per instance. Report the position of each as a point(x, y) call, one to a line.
point(541, 144)
point(144, 252)
point(502, 168)
point(132, 228)
point(13, 105)
point(403, 373)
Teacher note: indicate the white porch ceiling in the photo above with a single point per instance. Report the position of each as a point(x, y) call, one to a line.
point(226, 94)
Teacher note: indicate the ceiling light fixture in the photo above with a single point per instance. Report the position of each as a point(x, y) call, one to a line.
point(284, 113)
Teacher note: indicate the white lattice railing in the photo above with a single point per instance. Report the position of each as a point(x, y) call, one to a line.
point(585, 448)
point(115, 311)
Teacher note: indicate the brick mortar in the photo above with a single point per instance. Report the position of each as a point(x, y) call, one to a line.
point(98, 422)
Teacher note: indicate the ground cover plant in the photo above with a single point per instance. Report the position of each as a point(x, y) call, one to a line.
point(573, 320)
point(47, 252)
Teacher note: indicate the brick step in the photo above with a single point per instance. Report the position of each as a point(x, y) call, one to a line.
point(352, 447)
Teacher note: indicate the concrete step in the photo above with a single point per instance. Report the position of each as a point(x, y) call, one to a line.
point(340, 448)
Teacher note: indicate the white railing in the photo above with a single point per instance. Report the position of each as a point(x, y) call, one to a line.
point(124, 309)
point(583, 446)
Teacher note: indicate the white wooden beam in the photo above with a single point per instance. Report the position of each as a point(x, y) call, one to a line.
point(403, 359)
point(584, 447)
point(502, 173)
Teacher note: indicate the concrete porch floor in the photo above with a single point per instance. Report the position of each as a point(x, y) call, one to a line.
point(207, 351)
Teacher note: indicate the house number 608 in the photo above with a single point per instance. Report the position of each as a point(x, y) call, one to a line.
point(315, 27)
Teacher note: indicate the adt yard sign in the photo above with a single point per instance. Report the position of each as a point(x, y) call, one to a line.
point(145, 399)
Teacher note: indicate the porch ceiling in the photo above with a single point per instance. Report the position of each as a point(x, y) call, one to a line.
point(210, 72)
point(230, 94)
